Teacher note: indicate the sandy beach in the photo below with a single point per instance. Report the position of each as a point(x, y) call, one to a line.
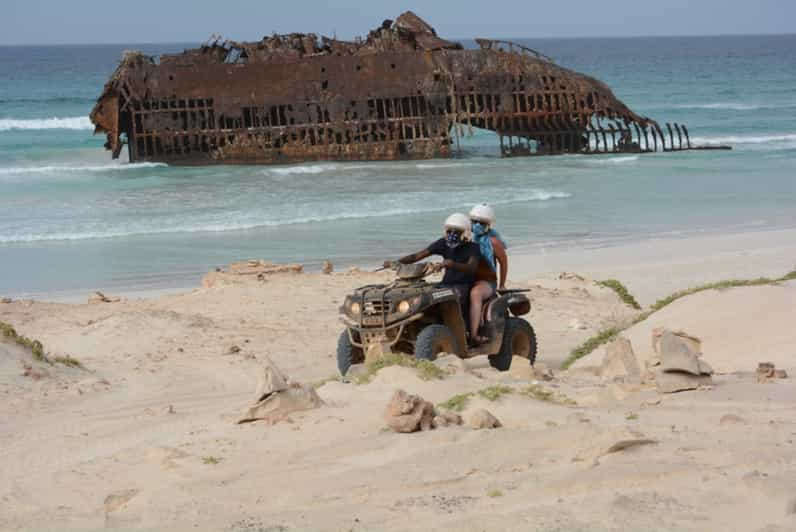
point(143, 435)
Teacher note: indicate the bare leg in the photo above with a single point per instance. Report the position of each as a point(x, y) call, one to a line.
point(479, 293)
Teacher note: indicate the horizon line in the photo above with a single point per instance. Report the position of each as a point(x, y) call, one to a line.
point(455, 39)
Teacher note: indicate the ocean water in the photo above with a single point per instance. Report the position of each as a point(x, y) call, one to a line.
point(71, 219)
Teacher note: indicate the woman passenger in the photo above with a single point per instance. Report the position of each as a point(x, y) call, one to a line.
point(493, 252)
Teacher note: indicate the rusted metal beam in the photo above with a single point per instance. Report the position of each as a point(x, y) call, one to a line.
point(671, 135)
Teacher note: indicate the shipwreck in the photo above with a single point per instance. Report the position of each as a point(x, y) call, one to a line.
point(400, 93)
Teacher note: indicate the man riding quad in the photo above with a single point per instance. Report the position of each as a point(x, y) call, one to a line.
point(414, 316)
point(461, 258)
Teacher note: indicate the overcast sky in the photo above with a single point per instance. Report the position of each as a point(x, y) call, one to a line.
point(133, 21)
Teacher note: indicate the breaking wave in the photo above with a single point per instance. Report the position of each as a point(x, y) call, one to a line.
point(303, 169)
point(730, 106)
point(613, 160)
point(24, 170)
point(209, 227)
point(365, 165)
point(73, 122)
point(746, 139)
point(56, 99)
point(432, 166)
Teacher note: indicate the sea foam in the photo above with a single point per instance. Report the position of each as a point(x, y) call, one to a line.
point(73, 122)
point(613, 160)
point(111, 167)
point(301, 169)
point(746, 139)
point(199, 226)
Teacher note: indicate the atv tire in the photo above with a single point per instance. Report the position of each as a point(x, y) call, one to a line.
point(347, 353)
point(433, 340)
point(519, 339)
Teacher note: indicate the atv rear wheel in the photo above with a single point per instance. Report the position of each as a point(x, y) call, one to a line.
point(433, 340)
point(519, 339)
point(347, 353)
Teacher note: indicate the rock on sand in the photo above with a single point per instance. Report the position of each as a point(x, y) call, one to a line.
point(408, 413)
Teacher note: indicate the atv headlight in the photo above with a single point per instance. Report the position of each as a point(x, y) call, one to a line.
point(407, 305)
point(355, 308)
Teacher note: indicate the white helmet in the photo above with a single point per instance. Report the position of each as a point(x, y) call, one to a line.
point(459, 221)
point(483, 213)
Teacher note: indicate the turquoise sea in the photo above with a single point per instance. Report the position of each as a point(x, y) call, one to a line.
point(71, 219)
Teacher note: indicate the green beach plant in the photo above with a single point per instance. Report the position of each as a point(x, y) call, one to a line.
point(457, 403)
point(622, 291)
point(539, 392)
point(493, 393)
point(68, 361)
point(426, 369)
point(34, 346)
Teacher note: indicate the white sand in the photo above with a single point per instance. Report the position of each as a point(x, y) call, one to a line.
point(124, 443)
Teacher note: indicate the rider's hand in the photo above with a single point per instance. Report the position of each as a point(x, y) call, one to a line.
point(389, 263)
point(434, 267)
point(447, 263)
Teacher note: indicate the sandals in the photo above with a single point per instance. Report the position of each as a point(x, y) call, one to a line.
point(475, 341)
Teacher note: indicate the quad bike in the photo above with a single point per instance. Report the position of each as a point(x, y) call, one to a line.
point(413, 316)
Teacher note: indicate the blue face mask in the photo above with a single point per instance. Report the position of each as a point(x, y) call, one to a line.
point(479, 229)
point(453, 239)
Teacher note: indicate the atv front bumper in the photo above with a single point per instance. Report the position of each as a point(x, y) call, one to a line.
point(388, 335)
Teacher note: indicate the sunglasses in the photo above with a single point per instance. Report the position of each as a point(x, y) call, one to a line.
point(453, 232)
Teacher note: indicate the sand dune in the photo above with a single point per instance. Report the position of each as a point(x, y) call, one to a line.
point(145, 437)
point(739, 327)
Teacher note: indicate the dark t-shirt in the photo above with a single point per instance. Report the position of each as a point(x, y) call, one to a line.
point(460, 253)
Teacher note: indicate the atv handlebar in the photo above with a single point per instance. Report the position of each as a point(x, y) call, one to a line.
point(394, 265)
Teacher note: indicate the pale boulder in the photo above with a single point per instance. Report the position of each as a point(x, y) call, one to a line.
point(446, 419)
point(767, 372)
point(408, 413)
point(620, 362)
point(693, 343)
point(681, 367)
point(678, 354)
point(277, 406)
point(269, 380)
point(99, 297)
point(482, 419)
point(274, 398)
point(678, 381)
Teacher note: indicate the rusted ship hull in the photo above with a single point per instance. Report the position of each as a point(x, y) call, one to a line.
point(403, 93)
